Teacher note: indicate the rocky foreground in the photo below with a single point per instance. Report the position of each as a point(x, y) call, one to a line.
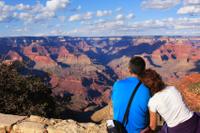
point(36, 124)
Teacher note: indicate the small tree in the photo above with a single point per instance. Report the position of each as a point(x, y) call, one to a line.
point(24, 95)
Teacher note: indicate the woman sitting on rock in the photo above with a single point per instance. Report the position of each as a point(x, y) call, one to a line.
point(168, 102)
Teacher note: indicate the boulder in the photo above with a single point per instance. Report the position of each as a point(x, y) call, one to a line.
point(7, 121)
point(103, 114)
point(29, 127)
point(70, 126)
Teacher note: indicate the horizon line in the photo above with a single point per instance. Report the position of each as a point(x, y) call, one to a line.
point(100, 36)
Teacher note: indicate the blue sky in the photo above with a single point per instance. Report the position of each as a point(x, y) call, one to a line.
point(99, 17)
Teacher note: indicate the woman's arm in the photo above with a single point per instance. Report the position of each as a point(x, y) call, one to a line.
point(153, 120)
point(152, 125)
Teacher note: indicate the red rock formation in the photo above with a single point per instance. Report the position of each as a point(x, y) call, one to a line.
point(11, 57)
point(41, 57)
point(65, 57)
point(181, 51)
point(14, 56)
point(84, 46)
point(63, 52)
point(175, 59)
point(120, 66)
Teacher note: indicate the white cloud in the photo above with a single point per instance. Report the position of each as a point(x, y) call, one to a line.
point(75, 17)
point(5, 12)
point(178, 27)
point(54, 5)
point(130, 16)
point(187, 23)
point(23, 16)
point(190, 7)
point(151, 24)
point(168, 26)
point(23, 7)
point(33, 13)
point(100, 28)
point(159, 4)
point(101, 13)
point(191, 2)
point(120, 17)
point(57, 32)
point(76, 9)
point(80, 17)
point(113, 24)
point(45, 15)
point(88, 16)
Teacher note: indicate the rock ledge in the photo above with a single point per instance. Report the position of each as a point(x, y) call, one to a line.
point(36, 124)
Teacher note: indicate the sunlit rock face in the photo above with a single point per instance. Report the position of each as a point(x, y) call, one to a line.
point(40, 56)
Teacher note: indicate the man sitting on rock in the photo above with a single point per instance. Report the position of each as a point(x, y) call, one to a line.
point(138, 116)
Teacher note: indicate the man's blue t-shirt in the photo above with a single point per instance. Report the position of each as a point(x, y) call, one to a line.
point(138, 115)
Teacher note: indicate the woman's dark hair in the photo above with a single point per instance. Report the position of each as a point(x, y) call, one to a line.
point(137, 65)
point(152, 80)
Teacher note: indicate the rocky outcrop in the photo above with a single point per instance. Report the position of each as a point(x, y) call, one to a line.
point(180, 52)
point(120, 66)
point(12, 56)
point(175, 59)
point(105, 113)
point(7, 121)
point(36, 124)
point(40, 56)
point(65, 57)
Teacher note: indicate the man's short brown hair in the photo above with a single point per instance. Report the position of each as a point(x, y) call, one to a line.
point(137, 65)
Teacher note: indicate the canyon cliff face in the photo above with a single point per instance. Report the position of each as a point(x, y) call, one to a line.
point(82, 70)
point(65, 57)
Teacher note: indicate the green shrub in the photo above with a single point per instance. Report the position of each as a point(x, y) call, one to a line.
point(24, 95)
point(195, 88)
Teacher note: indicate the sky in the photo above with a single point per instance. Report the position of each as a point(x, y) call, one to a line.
point(99, 17)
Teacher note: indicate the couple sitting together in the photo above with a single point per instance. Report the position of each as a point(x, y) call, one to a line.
point(152, 96)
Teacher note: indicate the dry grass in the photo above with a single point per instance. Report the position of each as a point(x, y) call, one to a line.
point(195, 88)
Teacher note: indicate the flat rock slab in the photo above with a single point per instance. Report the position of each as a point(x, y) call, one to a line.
point(29, 127)
point(6, 121)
